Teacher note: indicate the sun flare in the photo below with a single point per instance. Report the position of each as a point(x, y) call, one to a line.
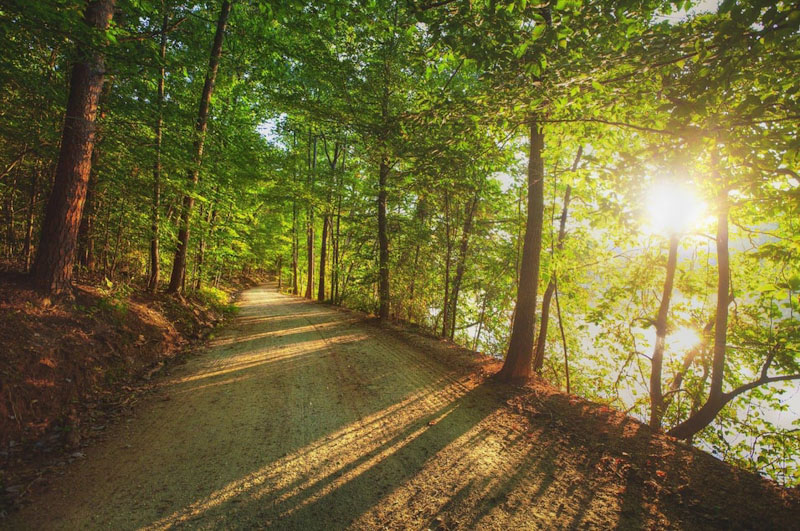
point(673, 208)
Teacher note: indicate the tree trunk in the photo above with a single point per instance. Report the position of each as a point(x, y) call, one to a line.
point(179, 263)
point(155, 266)
point(383, 242)
point(27, 250)
point(295, 252)
point(52, 269)
point(656, 393)
point(517, 365)
point(541, 343)
point(280, 272)
point(310, 255)
point(447, 259)
point(323, 253)
point(716, 398)
point(9, 213)
point(461, 262)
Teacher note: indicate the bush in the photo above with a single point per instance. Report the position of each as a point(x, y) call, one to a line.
point(215, 298)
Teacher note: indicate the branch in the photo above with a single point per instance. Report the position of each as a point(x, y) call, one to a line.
point(616, 124)
point(756, 383)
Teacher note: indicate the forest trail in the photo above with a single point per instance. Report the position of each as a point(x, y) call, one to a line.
point(300, 416)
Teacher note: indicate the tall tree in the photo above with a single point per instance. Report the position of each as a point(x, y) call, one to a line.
point(52, 269)
point(201, 126)
point(517, 365)
point(155, 262)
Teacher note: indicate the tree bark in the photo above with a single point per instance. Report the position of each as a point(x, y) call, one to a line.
point(155, 266)
point(656, 393)
point(52, 269)
point(179, 263)
point(517, 365)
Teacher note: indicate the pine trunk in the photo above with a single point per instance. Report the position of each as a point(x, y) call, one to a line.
point(52, 269)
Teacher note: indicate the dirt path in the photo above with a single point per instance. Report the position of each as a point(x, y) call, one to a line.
point(304, 417)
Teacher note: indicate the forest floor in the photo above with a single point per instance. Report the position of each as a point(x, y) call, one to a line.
point(304, 416)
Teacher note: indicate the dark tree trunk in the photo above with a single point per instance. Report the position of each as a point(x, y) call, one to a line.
point(52, 269)
point(155, 262)
point(323, 253)
point(27, 250)
point(179, 263)
point(517, 365)
point(383, 243)
point(11, 242)
point(716, 398)
point(656, 393)
point(279, 267)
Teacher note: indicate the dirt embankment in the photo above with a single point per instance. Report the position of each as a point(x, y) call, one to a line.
point(301, 416)
point(70, 365)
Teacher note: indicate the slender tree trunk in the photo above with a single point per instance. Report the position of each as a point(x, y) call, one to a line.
point(563, 339)
point(27, 250)
point(480, 322)
point(9, 212)
point(52, 269)
point(461, 262)
point(716, 398)
point(517, 365)
point(447, 260)
point(280, 272)
point(656, 393)
point(312, 166)
point(294, 248)
point(155, 262)
point(310, 255)
point(412, 286)
point(323, 253)
point(541, 343)
point(383, 242)
point(179, 263)
point(337, 233)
